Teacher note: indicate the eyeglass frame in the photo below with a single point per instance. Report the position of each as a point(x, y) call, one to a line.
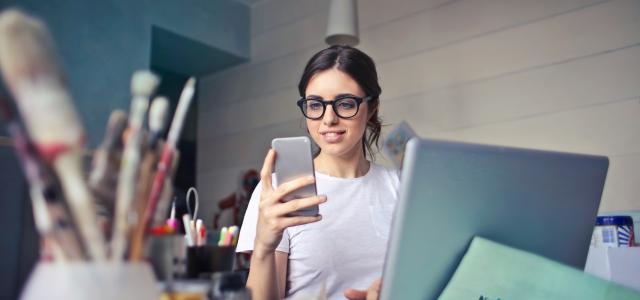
point(359, 100)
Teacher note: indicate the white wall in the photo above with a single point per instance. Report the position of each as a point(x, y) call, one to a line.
point(548, 74)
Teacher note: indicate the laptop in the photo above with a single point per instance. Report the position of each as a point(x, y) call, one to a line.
point(538, 201)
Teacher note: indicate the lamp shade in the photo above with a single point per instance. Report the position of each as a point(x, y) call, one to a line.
point(342, 26)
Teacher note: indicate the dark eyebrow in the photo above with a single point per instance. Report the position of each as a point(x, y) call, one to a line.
point(339, 96)
point(314, 97)
point(344, 95)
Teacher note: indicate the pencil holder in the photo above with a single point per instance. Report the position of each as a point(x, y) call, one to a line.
point(90, 280)
point(202, 261)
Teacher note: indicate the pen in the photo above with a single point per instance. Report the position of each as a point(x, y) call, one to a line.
point(186, 220)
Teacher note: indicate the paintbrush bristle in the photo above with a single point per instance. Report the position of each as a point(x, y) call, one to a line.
point(143, 83)
point(181, 111)
point(115, 127)
point(25, 48)
point(33, 75)
point(29, 65)
point(158, 114)
point(191, 84)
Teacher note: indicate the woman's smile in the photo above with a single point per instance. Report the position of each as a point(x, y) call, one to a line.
point(333, 136)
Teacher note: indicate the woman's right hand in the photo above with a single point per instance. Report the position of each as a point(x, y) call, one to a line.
point(273, 213)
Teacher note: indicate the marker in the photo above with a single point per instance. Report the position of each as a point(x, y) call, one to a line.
point(229, 236)
point(234, 239)
point(223, 233)
point(200, 232)
point(172, 222)
point(186, 220)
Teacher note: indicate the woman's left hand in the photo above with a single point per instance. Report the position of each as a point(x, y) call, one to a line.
point(372, 293)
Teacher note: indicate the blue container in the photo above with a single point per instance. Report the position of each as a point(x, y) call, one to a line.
point(616, 231)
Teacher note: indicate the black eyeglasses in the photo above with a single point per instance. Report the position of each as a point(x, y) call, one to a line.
point(345, 107)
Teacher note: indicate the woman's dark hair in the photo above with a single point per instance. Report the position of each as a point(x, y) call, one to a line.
point(362, 69)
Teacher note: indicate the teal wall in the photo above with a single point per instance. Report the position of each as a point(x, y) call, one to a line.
point(102, 42)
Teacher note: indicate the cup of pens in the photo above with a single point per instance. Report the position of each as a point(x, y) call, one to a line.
point(203, 259)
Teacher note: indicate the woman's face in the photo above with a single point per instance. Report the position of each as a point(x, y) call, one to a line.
point(334, 135)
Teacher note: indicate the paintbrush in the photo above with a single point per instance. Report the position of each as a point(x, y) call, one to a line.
point(165, 164)
point(143, 83)
point(32, 74)
point(164, 202)
point(50, 215)
point(103, 178)
point(158, 113)
point(157, 122)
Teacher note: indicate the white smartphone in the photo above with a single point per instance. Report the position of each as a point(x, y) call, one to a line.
point(293, 160)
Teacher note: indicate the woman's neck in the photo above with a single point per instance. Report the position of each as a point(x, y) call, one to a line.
point(348, 166)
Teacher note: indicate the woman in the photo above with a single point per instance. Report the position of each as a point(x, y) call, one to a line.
point(344, 247)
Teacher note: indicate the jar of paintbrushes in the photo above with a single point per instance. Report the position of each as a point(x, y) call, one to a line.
point(97, 225)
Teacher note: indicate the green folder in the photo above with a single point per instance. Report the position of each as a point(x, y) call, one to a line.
point(491, 271)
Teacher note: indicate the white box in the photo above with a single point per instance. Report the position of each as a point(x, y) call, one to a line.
point(619, 265)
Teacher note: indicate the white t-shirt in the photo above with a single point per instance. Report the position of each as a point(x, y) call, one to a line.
point(346, 249)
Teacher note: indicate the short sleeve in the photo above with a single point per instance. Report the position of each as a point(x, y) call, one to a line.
point(250, 224)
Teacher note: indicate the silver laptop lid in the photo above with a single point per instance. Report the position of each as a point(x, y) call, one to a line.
point(539, 201)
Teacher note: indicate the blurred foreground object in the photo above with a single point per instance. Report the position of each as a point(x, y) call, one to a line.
point(34, 77)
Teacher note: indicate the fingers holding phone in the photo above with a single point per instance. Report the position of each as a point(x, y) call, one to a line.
point(275, 216)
